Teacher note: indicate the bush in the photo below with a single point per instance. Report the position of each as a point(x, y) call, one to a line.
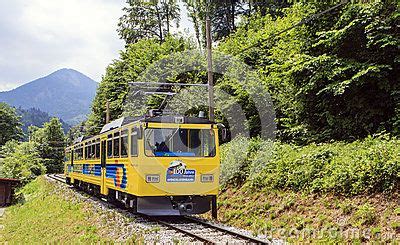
point(365, 215)
point(238, 159)
point(259, 149)
point(234, 160)
point(22, 162)
point(369, 165)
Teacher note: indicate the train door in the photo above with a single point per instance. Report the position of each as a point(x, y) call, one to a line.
point(103, 167)
point(70, 170)
point(72, 159)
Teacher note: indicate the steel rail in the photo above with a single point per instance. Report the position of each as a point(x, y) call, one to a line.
point(56, 177)
point(252, 240)
point(59, 176)
point(165, 223)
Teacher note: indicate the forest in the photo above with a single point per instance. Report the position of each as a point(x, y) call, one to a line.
point(24, 159)
point(332, 78)
point(331, 71)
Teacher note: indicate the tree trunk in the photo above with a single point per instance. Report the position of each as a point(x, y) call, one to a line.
point(248, 16)
point(196, 25)
point(159, 24)
point(233, 14)
point(167, 16)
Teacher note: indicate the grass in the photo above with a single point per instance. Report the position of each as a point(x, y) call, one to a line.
point(298, 217)
point(42, 216)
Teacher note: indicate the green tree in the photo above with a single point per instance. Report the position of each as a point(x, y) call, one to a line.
point(264, 7)
point(224, 17)
point(75, 132)
point(22, 161)
point(114, 85)
point(51, 144)
point(10, 124)
point(195, 13)
point(227, 15)
point(147, 20)
point(354, 86)
point(333, 78)
point(8, 148)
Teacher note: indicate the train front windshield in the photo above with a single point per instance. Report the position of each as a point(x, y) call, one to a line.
point(173, 142)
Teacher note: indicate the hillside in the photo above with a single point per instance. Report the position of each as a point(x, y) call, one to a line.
point(72, 218)
point(65, 93)
point(320, 193)
point(36, 117)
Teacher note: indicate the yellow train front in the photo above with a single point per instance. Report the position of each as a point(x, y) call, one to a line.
point(162, 165)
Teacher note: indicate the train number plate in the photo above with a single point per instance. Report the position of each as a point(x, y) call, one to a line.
point(187, 175)
point(177, 172)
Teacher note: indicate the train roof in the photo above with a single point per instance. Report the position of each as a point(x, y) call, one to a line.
point(120, 122)
point(157, 119)
point(173, 119)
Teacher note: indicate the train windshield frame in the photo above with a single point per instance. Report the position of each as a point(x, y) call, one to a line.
point(179, 142)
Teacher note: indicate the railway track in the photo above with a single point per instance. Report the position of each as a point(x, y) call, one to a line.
point(199, 230)
point(57, 177)
point(207, 232)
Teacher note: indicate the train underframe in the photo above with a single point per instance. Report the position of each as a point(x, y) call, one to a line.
point(154, 205)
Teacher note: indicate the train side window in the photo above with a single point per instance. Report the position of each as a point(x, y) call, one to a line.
point(90, 156)
point(134, 144)
point(109, 146)
point(89, 151)
point(208, 143)
point(67, 157)
point(116, 144)
point(79, 153)
point(86, 151)
point(98, 149)
point(93, 150)
point(124, 143)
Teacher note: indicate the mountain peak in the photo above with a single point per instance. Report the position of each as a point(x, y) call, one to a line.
point(66, 70)
point(71, 73)
point(65, 93)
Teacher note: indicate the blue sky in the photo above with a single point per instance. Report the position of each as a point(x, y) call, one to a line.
point(38, 37)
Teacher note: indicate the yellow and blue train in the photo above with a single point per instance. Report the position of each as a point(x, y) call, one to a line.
point(159, 165)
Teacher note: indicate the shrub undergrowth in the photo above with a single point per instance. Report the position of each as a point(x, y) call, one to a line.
point(369, 165)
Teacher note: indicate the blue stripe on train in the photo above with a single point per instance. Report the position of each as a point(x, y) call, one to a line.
point(117, 172)
point(92, 169)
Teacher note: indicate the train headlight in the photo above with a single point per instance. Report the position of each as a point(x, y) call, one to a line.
point(152, 178)
point(207, 178)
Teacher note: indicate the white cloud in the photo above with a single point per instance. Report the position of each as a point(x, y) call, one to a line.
point(38, 37)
